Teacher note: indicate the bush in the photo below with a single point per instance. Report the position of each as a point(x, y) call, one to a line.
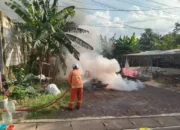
point(20, 92)
point(44, 99)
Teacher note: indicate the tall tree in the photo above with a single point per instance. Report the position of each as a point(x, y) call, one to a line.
point(177, 27)
point(168, 41)
point(49, 28)
point(107, 46)
point(148, 40)
point(125, 45)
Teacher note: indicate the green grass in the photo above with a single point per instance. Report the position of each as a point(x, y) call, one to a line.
point(44, 99)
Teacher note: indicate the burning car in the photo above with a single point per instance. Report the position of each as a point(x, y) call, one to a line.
point(92, 83)
point(129, 73)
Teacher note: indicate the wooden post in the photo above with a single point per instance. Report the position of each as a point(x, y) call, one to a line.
point(41, 66)
point(152, 65)
point(43, 63)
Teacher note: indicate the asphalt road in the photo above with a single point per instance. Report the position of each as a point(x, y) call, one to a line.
point(146, 101)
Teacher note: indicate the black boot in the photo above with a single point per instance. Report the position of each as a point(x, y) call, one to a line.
point(69, 109)
point(77, 107)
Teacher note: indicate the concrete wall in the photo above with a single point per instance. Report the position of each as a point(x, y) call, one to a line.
point(11, 47)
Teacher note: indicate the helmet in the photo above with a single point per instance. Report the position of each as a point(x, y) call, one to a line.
point(75, 66)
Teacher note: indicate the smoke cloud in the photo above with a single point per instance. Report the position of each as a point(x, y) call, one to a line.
point(105, 70)
point(99, 67)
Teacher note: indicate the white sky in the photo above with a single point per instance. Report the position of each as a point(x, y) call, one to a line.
point(161, 21)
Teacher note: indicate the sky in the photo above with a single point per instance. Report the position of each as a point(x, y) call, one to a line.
point(160, 15)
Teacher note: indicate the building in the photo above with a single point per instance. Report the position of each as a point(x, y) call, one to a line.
point(10, 46)
point(167, 61)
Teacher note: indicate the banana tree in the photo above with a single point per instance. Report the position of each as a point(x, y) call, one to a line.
point(48, 28)
point(125, 45)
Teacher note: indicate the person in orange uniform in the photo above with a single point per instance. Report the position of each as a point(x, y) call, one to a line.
point(75, 80)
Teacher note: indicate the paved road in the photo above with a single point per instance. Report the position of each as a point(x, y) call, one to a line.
point(130, 123)
point(146, 101)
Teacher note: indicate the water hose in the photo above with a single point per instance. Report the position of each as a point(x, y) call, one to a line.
point(40, 108)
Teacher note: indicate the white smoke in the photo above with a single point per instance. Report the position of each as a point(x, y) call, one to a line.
point(105, 70)
point(99, 67)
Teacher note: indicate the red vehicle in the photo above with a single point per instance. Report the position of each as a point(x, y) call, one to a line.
point(129, 73)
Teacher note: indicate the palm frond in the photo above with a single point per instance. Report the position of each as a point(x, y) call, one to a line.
point(67, 43)
point(67, 11)
point(37, 5)
point(47, 2)
point(72, 27)
point(54, 6)
point(22, 12)
point(26, 3)
point(62, 58)
point(79, 41)
point(76, 30)
point(32, 10)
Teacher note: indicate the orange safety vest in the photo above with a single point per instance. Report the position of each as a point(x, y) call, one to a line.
point(75, 79)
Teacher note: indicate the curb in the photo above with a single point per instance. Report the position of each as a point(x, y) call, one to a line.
point(97, 118)
point(160, 128)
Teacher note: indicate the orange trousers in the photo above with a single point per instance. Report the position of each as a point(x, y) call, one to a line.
point(76, 92)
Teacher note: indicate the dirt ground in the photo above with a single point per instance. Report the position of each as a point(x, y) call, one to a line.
point(146, 101)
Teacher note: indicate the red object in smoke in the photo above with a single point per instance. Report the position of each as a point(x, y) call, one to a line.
point(129, 72)
point(108, 86)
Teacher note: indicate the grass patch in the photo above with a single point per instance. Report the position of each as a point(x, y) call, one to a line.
point(44, 99)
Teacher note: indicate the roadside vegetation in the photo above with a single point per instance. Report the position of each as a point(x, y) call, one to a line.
point(46, 32)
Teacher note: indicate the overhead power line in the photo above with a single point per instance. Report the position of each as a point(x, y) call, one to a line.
point(109, 20)
point(146, 20)
point(153, 1)
point(118, 10)
point(125, 10)
point(148, 15)
point(145, 6)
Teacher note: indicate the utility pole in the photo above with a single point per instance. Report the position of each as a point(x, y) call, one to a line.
point(1, 50)
point(1, 62)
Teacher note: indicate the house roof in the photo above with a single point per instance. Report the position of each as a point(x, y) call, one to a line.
point(156, 53)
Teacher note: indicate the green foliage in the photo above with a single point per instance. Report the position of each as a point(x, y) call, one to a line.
point(152, 41)
point(169, 41)
point(46, 27)
point(121, 46)
point(44, 99)
point(107, 46)
point(21, 92)
point(177, 27)
point(125, 45)
point(148, 40)
point(22, 77)
point(2, 97)
point(19, 73)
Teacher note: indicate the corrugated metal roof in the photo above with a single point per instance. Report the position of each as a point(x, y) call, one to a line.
point(156, 53)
